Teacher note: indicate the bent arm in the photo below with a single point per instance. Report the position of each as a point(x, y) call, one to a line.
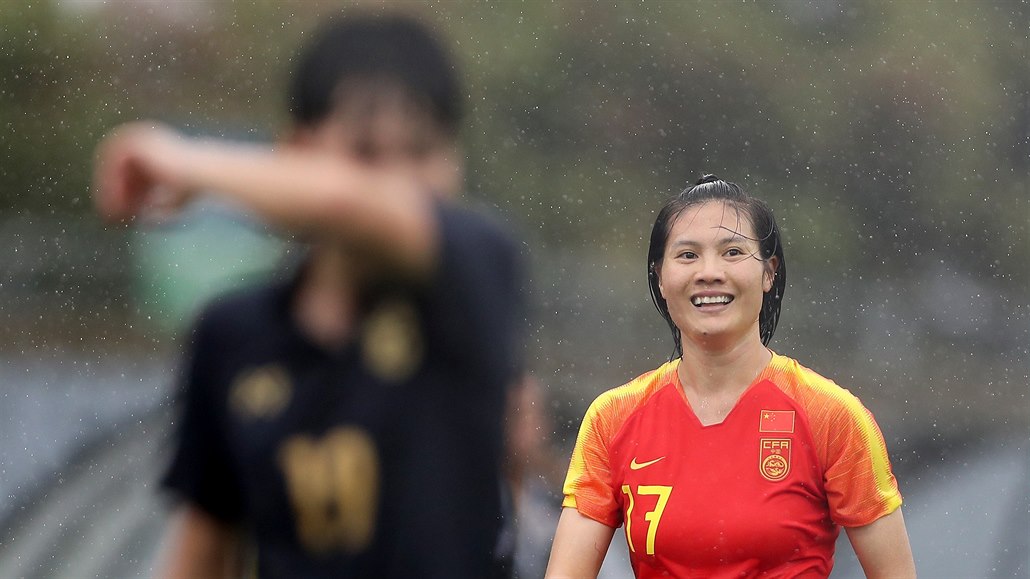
point(883, 549)
point(384, 209)
point(199, 546)
point(579, 546)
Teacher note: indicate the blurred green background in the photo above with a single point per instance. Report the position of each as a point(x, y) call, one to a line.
point(891, 138)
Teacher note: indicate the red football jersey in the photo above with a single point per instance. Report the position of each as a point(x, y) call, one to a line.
point(760, 494)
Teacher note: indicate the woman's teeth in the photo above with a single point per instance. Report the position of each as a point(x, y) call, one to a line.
point(702, 300)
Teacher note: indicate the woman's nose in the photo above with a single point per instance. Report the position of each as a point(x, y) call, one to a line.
point(711, 270)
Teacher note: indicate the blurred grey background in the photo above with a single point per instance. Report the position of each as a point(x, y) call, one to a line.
point(891, 138)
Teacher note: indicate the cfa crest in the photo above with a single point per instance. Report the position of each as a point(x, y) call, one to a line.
point(261, 393)
point(774, 458)
point(391, 341)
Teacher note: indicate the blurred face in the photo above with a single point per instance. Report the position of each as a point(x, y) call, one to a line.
point(712, 276)
point(379, 128)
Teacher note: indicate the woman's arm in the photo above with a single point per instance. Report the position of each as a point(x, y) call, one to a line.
point(883, 548)
point(579, 546)
point(199, 546)
point(146, 169)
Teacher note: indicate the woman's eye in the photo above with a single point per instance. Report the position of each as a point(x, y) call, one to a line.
point(688, 255)
point(734, 252)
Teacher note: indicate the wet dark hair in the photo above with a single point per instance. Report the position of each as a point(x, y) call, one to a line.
point(367, 48)
point(760, 216)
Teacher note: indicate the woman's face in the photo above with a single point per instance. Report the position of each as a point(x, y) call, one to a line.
point(712, 276)
point(378, 127)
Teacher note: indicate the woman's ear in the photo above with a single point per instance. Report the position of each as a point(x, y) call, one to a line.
point(657, 268)
point(769, 276)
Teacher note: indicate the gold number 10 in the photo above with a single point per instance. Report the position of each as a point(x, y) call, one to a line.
point(652, 517)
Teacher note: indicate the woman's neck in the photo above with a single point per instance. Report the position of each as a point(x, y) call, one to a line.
point(713, 380)
point(325, 304)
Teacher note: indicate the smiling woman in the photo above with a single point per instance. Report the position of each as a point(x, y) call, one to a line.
point(738, 213)
point(709, 264)
point(729, 460)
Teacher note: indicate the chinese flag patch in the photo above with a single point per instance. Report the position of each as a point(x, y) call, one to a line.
point(776, 421)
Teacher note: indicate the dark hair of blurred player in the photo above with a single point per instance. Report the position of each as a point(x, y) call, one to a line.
point(372, 53)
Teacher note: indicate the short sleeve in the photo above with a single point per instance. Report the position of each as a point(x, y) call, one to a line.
point(476, 299)
point(589, 486)
point(860, 486)
point(200, 471)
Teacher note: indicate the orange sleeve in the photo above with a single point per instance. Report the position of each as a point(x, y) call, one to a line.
point(589, 486)
point(860, 486)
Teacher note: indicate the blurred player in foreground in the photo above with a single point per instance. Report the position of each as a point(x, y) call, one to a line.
point(346, 422)
point(729, 460)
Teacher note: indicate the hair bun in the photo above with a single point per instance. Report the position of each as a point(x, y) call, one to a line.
point(709, 178)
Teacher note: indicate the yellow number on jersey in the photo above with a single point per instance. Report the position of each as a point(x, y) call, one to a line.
point(333, 485)
point(629, 516)
point(655, 516)
point(652, 517)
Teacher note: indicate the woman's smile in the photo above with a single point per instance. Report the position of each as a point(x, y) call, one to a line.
point(706, 301)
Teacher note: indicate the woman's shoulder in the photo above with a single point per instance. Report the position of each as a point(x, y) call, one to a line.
point(808, 386)
point(792, 368)
point(622, 400)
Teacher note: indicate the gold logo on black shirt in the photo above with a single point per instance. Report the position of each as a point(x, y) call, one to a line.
point(391, 342)
point(333, 483)
point(261, 393)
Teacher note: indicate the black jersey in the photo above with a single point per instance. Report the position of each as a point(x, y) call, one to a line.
point(377, 460)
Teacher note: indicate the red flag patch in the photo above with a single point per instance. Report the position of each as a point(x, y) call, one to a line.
point(777, 421)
